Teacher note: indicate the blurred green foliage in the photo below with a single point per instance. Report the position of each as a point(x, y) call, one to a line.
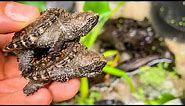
point(148, 75)
point(162, 99)
point(98, 7)
point(155, 77)
point(89, 100)
point(91, 37)
point(152, 75)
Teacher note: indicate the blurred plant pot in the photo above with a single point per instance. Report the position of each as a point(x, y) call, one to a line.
point(168, 19)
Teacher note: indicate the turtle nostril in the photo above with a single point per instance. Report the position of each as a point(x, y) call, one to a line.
point(7, 48)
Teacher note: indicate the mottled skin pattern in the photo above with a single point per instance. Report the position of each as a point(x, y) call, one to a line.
point(54, 27)
point(49, 49)
point(75, 60)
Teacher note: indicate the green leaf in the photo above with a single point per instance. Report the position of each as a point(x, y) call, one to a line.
point(98, 7)
point(163, 98)
point(41, 5)
point(120, 73)
point(110, 53)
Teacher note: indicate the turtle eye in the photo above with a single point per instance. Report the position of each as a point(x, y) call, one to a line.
point(11, 46)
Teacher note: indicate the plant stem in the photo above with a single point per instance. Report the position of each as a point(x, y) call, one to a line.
point(84, 87)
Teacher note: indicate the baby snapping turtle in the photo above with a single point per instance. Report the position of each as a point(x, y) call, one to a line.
point(54, 27)
point(73, 61)
point(49, 49)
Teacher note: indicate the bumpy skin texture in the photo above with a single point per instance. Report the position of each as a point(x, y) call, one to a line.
point(54, 27)
point(75, 60)
point(49, 49)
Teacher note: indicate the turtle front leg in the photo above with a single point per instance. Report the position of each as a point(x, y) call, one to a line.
point(25, 58)
point(33, 86)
